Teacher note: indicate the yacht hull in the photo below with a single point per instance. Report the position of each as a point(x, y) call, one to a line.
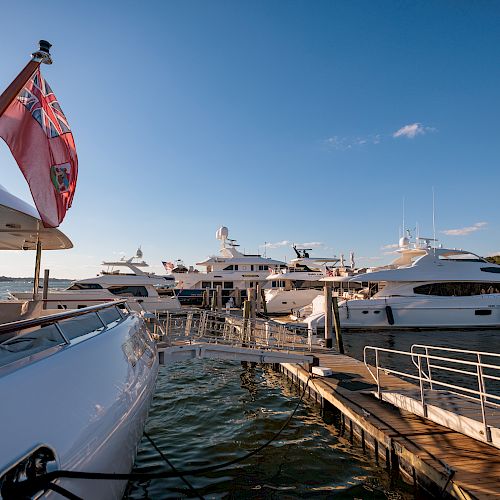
point(482, 311)
point(284, 301)
point(88, 403)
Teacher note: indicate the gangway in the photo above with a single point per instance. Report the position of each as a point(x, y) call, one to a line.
point(456, 388)
point(197, 333)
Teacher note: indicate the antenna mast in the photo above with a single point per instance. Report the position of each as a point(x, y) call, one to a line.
point(433, 216)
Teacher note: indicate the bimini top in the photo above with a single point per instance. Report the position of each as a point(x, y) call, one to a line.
point(21, 226)
point(439, 264)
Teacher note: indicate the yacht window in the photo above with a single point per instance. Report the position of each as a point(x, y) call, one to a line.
point(461, 257)
point(81, 325)
point(482, 312)
point(206, 284)
point(228, 284)
point(217, 283)
point(22, 346)
point(457, 289)
point(490, 269)
point(85, 286)
point(236, 267)
point(129, 291)
point(229, 268)
point(251, 267)
point(109, 315)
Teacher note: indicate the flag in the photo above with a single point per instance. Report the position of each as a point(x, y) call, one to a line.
point(169, 266)
point(38, 135)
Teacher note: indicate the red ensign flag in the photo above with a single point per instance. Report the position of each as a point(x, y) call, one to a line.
point(38, 134)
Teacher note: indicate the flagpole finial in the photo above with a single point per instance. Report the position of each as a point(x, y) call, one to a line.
point(42, 55)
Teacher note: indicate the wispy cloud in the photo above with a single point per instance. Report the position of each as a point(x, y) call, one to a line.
point(287, 243)
point(344, 143)
point(390, 246)
point(464, 231)
point(412, 130)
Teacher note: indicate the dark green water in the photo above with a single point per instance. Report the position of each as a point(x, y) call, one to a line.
point(208, 412)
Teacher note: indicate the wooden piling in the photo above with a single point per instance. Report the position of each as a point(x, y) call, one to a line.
point(336, 320)
point(218, 292)
point(263, 298)
point(237, 298)
point(328, 310)
point(45, 291)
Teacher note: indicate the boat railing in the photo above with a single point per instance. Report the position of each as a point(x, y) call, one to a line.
point(467, 374)
point(198, 325)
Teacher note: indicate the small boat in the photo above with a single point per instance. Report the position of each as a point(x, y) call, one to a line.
point(75, 385)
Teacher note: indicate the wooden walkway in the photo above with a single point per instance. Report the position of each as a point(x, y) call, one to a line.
point(434, 457)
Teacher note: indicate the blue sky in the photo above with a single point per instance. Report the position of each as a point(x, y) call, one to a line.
point(279, 119)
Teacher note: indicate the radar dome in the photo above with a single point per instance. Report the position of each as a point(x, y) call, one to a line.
point(222, 233)
point(404, 242)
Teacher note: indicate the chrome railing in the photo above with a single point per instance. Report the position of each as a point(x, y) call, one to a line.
point(196, 325)
point(471, 371)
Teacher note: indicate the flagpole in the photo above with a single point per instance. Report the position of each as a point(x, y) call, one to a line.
point(40, 56)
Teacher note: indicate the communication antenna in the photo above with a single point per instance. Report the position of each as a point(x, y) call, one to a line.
point(403, 215)
point(433, 216)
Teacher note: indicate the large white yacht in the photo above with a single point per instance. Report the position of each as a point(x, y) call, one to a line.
point(75, 385)
point(231, 269)
point(144, 291)
point(297, 284)
point(426, 287)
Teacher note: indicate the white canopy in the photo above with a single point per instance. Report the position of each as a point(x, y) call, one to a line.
point(21, 226)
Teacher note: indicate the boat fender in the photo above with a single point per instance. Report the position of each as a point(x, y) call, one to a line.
point(390, 316)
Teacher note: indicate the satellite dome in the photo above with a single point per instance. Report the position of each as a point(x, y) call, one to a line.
point(222, 233)
point(404, 242)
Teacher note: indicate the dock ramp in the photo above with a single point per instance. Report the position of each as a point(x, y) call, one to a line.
point(456, 388)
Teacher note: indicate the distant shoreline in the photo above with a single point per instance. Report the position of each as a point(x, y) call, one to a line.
point(30, 280)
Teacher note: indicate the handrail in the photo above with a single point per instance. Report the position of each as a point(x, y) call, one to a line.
point(52, 318)
point(426, 377)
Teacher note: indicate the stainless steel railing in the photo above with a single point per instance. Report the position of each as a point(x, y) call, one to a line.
point(197, 325)
point(471, 371)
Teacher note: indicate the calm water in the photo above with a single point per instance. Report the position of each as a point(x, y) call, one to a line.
point(26, 286)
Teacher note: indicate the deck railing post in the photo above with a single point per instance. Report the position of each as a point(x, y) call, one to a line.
point(378, 374)
point(422, 389)
point(482, 390)
point(428, 366)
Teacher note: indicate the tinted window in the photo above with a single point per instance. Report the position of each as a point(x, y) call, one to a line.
point(129, 291)
point(206, 284)
point(109, 315)
point(457, 289)
point(229, 268)
point(228, 284)
point(81, 325)
point(85, 286)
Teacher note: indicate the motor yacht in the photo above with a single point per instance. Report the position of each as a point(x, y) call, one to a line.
point(76, 385)
point(144, 291)
point(426, 287)
point(231, 269)
point(298, 284)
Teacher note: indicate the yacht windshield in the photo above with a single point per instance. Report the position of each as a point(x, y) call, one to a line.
point(461, 257)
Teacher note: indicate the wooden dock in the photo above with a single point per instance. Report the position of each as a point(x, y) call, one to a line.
point(434, 458)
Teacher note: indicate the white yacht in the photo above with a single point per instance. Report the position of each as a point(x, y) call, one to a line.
point(75, 385)
point(426, 287)
point(144, 291)
point(231, 269)
point(297, 284)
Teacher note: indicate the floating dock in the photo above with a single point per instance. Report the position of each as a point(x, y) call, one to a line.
point(441, 461)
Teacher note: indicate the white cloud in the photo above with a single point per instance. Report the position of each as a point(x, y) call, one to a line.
point(286, 243)
point(412, 130)
point(344, 143)
point(464, 231)
point(390, 246)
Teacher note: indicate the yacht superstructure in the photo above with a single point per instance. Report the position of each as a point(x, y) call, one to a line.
point(144, 291)
point(297, 284)
point(426, 287)
point(231, 269)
